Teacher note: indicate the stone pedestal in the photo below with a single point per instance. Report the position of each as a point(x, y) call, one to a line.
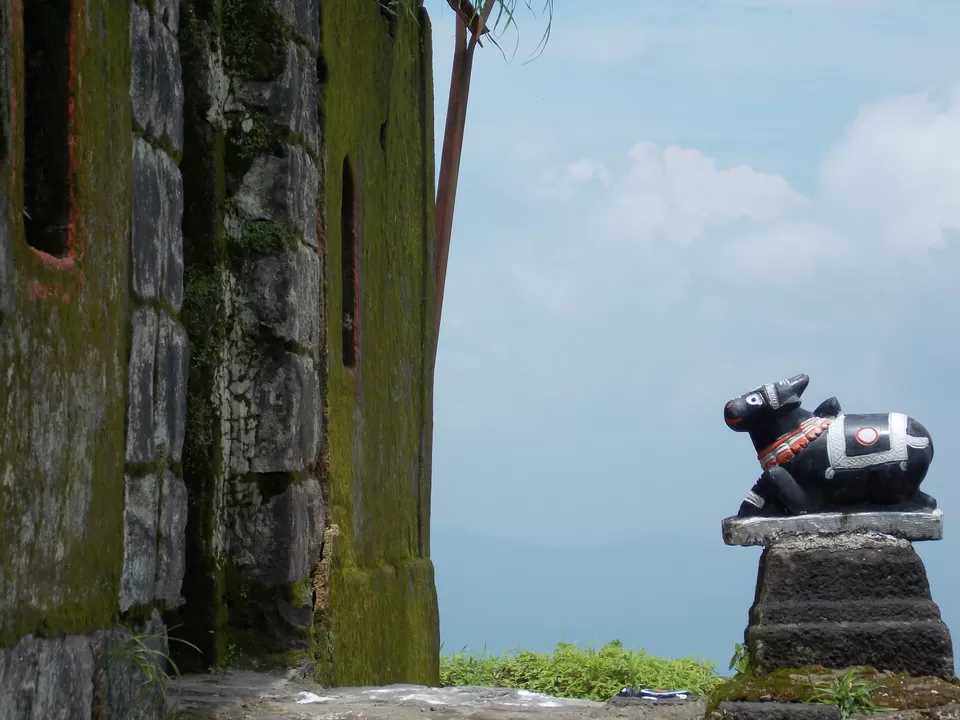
point(844, 590)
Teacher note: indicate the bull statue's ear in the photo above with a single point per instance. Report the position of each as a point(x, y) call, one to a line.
point(791, 402)
point(829, 408)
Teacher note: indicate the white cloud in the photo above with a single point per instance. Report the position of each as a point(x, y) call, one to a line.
point(679, 194)
point(889, 192)
point(587, 169)
point(896, 174)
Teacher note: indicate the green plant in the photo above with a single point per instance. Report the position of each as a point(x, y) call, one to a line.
point(578, 671)
point(143, 652)
point(740, 662)
point(231, 656)
point(847, 692)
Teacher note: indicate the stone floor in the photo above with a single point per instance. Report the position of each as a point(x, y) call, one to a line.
point(237, 695)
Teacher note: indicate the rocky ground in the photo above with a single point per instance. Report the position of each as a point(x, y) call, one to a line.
point(237, 695)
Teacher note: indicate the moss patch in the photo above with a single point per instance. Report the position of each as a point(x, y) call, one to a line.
point(897, 690)
point(376, 629)
point(248, 135)
point(778, 686)
point(254, 39)
point(266, 237)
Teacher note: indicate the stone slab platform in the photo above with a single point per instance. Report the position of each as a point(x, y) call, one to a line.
point(245, 695)
point(768, 531)
point(777, 711)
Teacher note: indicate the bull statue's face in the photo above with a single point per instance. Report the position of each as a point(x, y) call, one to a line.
point(764, 404)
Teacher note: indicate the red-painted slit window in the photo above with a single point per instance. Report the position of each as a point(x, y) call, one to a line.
point(350, 277)
point(46, 171)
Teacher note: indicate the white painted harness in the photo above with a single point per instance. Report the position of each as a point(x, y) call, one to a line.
point(899, 442)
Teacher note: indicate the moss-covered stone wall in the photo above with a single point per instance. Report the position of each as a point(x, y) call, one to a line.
point(308, 481)
point(64, 326)
point(252, 312)
point(377, 111)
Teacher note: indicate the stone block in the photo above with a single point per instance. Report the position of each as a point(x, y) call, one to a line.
point(141, 77)
point(766, 531)
point(171, 231)
point(291, 99)
point(693, 708)
point(278, 541)
point(168, 11)
point(311, 417)
point(304, 184)
point(147, 249)
point(282, 297)
point(282, 189)
point(141, 507)
point(847, 600)
point(304, 16)
point(167, 120)
point(777, 711)
point(140, 401)
point(170, 404)
point(172, 544)
point(123, 693)
point(309, 283)
point(270, 296)
point(47, 679)
point(157, 234)
point(278, 396)
point(156, 85)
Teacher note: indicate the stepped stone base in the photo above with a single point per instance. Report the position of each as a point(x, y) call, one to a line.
point(846, 599)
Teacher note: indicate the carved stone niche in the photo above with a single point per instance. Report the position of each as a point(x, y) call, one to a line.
point(842, 590)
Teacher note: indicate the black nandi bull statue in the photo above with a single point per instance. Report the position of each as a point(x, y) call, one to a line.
point(826, 460)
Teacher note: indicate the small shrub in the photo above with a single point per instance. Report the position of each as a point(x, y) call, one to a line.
point(139, 652)
point(740, 662)
point(850, 694)
point(578, 672)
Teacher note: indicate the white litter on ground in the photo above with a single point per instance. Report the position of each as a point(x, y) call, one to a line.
point(548, 702)
point(306, 698)
point(422, 697)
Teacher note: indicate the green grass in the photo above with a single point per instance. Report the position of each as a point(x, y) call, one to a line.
point(579, 672)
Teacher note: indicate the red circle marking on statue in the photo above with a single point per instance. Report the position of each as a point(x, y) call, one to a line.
point(867, 436)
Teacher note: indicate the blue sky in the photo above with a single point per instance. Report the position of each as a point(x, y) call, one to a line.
point(677, 201)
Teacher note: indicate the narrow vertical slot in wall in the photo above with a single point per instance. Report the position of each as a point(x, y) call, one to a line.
point(46, 90)
point(349, 278)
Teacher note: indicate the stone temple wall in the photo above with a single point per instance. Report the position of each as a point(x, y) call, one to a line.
point(215, 320)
